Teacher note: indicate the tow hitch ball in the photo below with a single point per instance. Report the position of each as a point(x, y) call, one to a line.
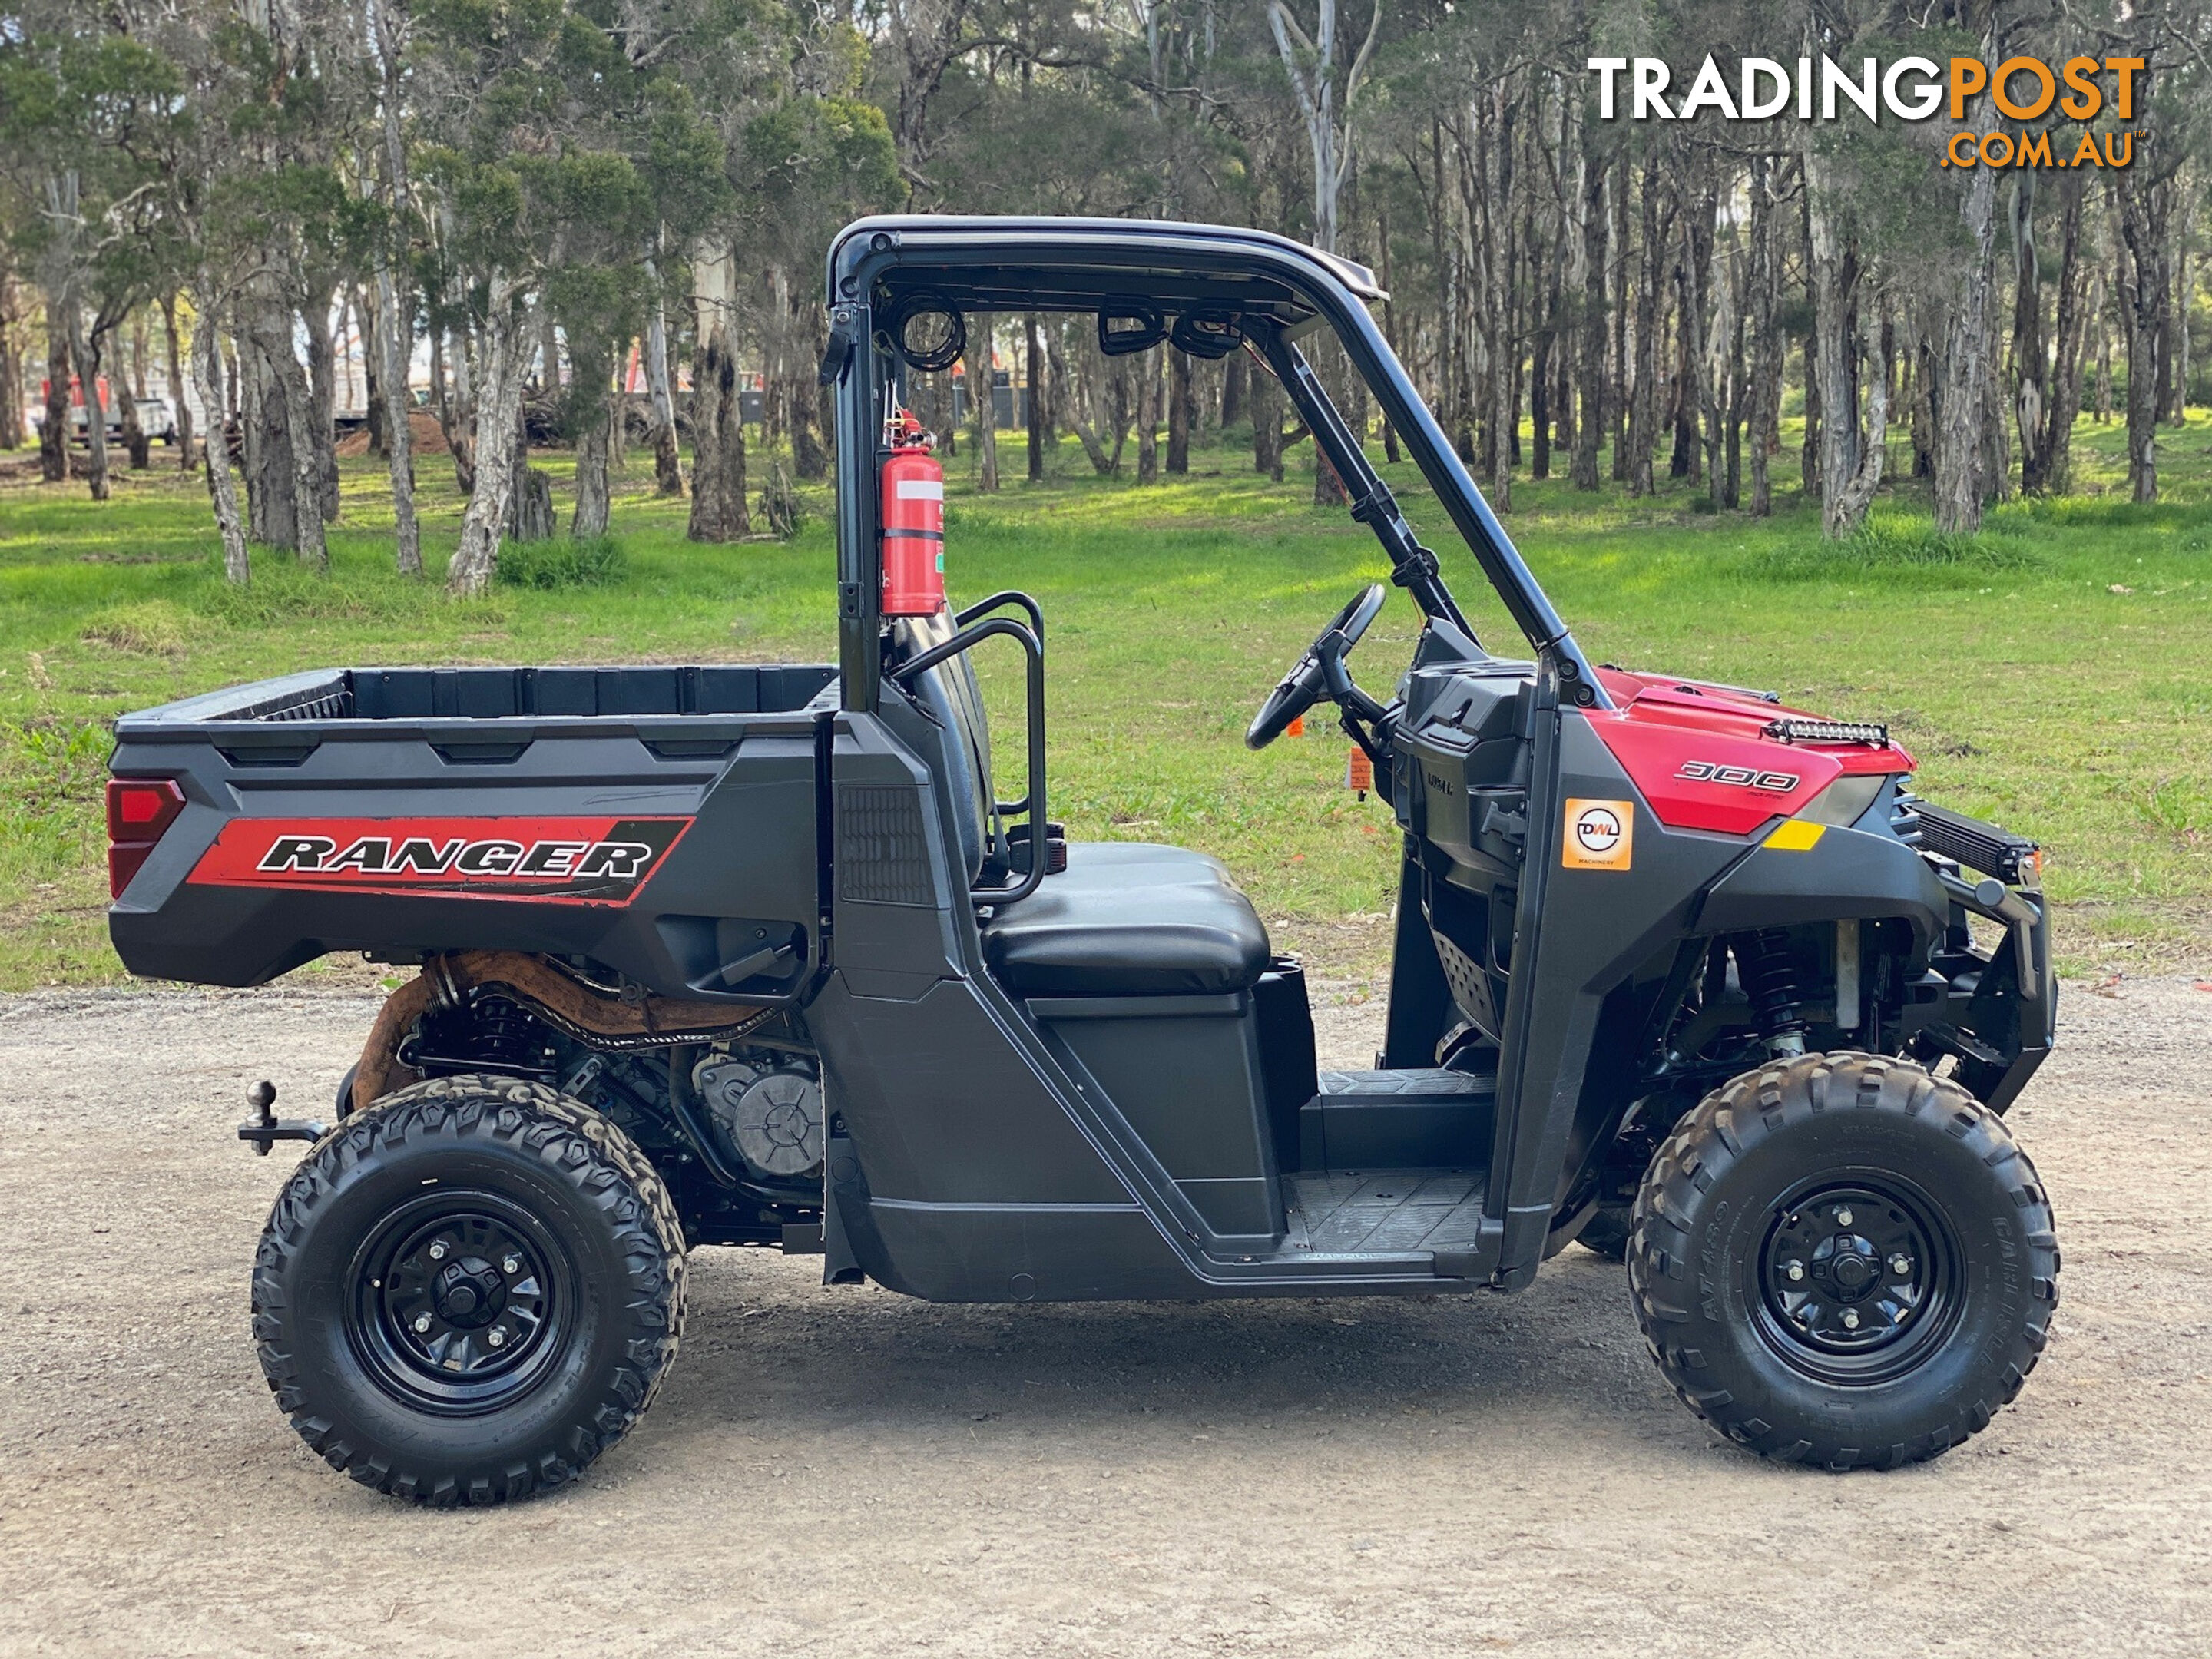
point(267, 1129)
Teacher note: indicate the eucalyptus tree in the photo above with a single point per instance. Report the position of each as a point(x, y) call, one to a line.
point(82, 103)
point(554, 146)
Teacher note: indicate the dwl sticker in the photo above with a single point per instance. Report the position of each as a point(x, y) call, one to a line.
point(1601, 835)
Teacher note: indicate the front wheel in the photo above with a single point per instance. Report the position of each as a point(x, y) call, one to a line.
point(1842, 1260)
point(468, 1291)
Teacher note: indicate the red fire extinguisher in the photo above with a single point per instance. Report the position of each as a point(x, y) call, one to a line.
point(913, 522)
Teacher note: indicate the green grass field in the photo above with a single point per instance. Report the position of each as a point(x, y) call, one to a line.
point(2054, 673)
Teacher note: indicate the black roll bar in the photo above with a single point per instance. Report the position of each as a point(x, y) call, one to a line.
point(966, 640)
point(1412, 567)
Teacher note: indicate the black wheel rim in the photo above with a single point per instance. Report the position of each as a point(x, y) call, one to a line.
point(461, 1302)
point(1859, 1279)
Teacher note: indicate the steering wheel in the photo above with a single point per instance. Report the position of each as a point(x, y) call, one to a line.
point(1317, 673)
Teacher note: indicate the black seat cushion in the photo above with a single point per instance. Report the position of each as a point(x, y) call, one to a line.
point(1128, 919)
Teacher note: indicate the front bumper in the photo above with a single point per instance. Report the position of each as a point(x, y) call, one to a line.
point(1996, 1012)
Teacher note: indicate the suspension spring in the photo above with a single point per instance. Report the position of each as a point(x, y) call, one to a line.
point(1770, 980)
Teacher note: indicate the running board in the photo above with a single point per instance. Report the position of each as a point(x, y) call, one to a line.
point(1350, 1215)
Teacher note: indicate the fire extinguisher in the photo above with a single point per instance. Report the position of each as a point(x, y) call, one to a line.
point(913, 522)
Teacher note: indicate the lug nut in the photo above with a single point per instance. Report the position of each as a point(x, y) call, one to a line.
point(1850, 1319)
point(1794, 1272)
point(1901, 1265)
point(512, 1265)
point(438, 1251)
point(497, 1337)
point(422, 1324)
point(1843, 1218)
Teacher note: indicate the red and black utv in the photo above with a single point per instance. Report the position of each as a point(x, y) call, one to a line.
point(760, 954)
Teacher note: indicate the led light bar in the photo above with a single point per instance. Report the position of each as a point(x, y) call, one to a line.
point(1874, 735)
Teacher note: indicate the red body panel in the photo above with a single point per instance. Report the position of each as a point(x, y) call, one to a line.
point(1700, 757)
point(559, 860)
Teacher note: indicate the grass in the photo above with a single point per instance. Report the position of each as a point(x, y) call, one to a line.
point(2049, 672)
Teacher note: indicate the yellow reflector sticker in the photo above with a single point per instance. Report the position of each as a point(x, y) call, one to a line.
point(1796, 836)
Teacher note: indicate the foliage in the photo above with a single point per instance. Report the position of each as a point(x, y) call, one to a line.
point(582, 562)
point(2035, 694)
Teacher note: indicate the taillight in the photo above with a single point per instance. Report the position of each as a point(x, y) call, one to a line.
point(139, 813)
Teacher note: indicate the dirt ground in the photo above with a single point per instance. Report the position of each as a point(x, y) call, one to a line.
point(844, 1471)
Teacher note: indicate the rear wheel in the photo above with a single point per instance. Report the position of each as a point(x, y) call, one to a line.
point(468, 1291)
point(1845, 1260)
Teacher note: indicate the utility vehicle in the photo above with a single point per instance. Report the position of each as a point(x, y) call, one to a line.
point(776, 956)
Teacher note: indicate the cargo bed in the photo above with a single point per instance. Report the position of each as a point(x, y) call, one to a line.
point(301, 808)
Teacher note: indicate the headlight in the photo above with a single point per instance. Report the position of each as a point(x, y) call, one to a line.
point(1844, 802)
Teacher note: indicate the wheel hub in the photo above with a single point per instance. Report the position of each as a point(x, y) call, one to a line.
point(469, 1293)
point(456, 1304)
point(1849, 1274)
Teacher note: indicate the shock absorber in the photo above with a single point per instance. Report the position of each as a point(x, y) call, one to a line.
point(1769, 981)
point(505, 1038)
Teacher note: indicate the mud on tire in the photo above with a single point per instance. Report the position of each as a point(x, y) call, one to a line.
point(1842, 1260)
point(468, 1292)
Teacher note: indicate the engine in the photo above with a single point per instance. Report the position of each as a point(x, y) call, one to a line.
point(765, 1107)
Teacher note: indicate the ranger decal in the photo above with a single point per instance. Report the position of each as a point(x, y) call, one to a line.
point(578, 861)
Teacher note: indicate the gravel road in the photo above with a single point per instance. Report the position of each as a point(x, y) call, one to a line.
point(844, 1471)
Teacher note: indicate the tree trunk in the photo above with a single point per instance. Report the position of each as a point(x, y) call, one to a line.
point(11, 364)
point(2031, 364)
point(589, 363)
point(667, 468)
point(1965, 382)
point(499, 413)
point(87, 362)
point(2176, 408)
point(1835, 352)
point(453, 391)
point(368, 318)
point(265, 451)
point(1266, 401)
point(1708, 324)
point(270, 321)
point(2145, 292)
point(718, 510)
point(1846, 505)
point(322, 401)
point(1643, 418)
point(1590, 326)
point(1236, 377)
point(207, 362)
point(1763, 286)
point(54, 436)
point(1178, 411)
point(983, 400)
point(1033, 345)
point(125, 396)
point(2064, 405)
point(183, 411)
point(1618, 402)
point(1147, 368)
point(398, 439)
point(1077, 422)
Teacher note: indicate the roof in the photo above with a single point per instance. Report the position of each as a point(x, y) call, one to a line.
point(1026, 264)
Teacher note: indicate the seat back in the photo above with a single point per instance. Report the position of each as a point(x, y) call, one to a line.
point(950, 695)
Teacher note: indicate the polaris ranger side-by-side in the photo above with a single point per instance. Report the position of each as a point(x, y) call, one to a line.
point(767, 955)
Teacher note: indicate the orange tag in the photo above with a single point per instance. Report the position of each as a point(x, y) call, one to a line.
point(1359, 772)
point(1601, 835)
point(1297, 728)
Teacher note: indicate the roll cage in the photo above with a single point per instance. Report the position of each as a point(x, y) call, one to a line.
point(1273, 292)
